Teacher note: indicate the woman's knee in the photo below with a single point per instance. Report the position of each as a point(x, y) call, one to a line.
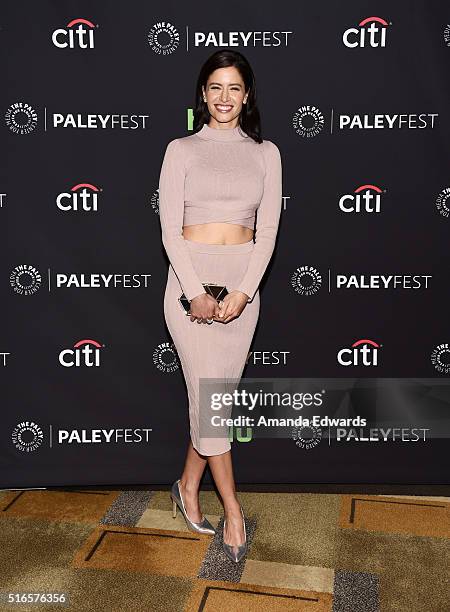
point(211, 446)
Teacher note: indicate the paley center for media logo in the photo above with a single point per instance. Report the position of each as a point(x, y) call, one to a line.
point(26, 279)
point(21, 118)
point(442, 202)
point(164, 38)
point(28, 436)
point(440, 358)
point(309, 432)
point(308, 121)
point(307, 280)
point(165, 357)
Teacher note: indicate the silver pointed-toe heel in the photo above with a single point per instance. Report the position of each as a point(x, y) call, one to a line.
point(235, 553)
point(204, 526)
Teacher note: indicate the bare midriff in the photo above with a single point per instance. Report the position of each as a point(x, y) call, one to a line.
point(218, 233)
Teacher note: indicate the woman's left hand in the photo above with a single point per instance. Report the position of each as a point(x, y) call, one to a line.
point(231, 306)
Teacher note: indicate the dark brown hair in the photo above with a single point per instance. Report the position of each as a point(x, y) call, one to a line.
point(249, 118)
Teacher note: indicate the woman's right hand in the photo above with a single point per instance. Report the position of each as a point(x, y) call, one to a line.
point(203, 307)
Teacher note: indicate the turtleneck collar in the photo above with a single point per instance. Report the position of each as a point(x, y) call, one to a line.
point(221, 134)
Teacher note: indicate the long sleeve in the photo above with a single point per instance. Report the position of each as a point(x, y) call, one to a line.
point(267, 220)
point(171, 211)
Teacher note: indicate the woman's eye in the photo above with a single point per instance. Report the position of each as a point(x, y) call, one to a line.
point(233, 88)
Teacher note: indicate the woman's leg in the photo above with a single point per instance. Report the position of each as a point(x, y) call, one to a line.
point(190, 482)
point(222, 470)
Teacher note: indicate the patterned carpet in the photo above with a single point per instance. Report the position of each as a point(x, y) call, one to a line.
point(308, 552)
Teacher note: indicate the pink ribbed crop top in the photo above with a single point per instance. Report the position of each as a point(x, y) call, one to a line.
point(220, 176)
point(224, 180)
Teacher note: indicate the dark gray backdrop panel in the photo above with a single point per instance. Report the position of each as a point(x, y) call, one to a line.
point(123, 75)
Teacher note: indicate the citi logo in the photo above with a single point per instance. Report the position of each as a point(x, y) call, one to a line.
point(84, 353)
point(83, 196)
point(371, 32)
point(366, 198)
point(363, 352)
point(79, 33)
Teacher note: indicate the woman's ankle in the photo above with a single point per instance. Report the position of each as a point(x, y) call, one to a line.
point(188, 485)
point(232, 506)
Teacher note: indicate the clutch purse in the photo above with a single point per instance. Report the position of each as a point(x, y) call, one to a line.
point(218, 292)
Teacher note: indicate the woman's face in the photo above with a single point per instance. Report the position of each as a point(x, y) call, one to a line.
point(224, 95)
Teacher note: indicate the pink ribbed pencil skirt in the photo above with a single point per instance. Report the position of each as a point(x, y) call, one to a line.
point(216, 350)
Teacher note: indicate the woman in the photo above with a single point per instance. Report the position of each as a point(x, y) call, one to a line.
point(212, 183)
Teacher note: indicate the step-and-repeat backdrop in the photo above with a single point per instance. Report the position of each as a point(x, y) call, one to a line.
point(354, 325)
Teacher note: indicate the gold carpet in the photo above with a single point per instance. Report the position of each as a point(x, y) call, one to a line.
point(122, 550)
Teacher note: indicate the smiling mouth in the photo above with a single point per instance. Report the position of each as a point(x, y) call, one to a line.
point(223, 108)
